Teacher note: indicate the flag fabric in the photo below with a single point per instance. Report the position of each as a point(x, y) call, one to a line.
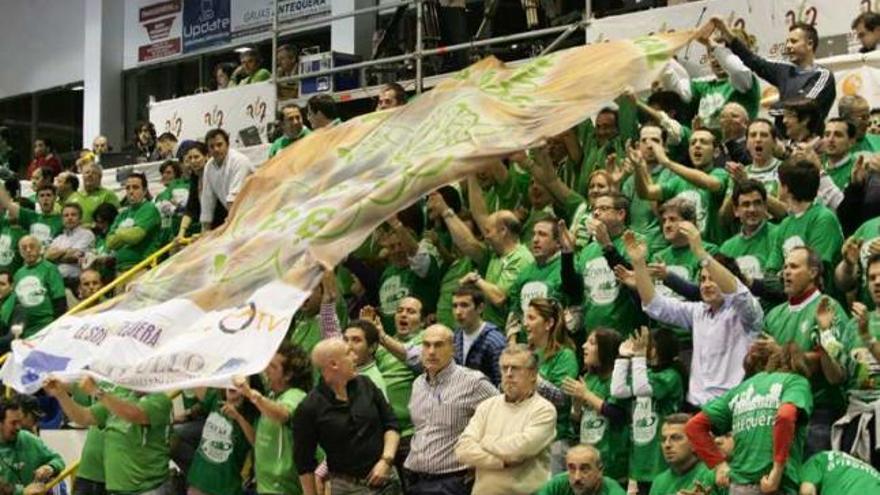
point(221, 306)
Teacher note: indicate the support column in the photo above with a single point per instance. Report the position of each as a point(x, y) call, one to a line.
point(102, 71)
point(353, 34)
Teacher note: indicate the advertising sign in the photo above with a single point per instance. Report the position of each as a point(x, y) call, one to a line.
point(205, 23)
point(158, 32)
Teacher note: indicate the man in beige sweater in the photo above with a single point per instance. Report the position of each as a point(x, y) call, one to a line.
point(508, 438)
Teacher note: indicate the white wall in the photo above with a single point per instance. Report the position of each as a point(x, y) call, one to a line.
point(41, 44)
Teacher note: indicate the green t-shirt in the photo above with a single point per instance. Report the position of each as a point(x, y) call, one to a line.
point(43, 227)
point(448, 285)
point(869, 143)
point(91, 460)
point(711, 95)
point(868, 232)
point(36, 287)
point(563, 364)
point(22, 456)
point(273, 449)
point(259, 76)
point(136, 456)
point(144, 216)
point(648, 413)
point(680, 261)
point(612, 441)
point(398, 283)
point(510, 194)
point(749, 411)
point(797, 323)
point(305, 332)
point(10, 257)
point(767, 175)
point(816, 227)
point(399, 379)
point(284, 141)
point(544, 280)
point(751, 252)
point(606, 302)
point(706, 202)
point(670, 483)
point(642, 217)
point(372, 372)
point(840, 172)
point(559, 485)
point(223, 450)
point(502, 271)
point(863, 371)
point(837, 472)
point(171, 204)
point(90, 201)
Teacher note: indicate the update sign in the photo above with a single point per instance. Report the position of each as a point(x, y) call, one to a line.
point(205, 23)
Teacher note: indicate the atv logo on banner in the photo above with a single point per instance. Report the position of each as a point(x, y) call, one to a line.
point(205, 23)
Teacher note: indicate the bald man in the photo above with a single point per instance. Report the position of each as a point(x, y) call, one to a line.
point(360, 454)
point(585, 475)
point(38, 288)
point(734, 121)
point(443, 400)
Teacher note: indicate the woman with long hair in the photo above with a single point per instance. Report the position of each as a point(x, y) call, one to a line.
point(768, 415)
point(602, 418)
point(548, 338)
point(649, 372)
point(288, 379)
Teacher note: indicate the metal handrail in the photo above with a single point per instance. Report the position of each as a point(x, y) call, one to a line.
point(150, 261)
point(68, 472)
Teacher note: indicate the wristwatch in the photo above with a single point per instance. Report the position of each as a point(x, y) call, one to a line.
point(447, 213)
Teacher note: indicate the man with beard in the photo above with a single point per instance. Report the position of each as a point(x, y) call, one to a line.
point(584, 476)
point(702, 185)
point(93, 194)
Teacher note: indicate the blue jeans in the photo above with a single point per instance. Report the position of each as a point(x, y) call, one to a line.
point(450, 485)
point(819, 431)
point(88, 487)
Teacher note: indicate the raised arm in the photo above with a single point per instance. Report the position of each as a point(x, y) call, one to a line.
point(694, 176)
point(461, 235)
point(645, 187)
point(726, 281)
point(7, 202)
point(78, 413)
point(638, 251)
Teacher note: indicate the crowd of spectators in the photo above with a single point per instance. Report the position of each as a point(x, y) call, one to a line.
point(678, 296)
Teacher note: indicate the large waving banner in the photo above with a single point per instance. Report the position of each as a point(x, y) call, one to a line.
point(222, 306)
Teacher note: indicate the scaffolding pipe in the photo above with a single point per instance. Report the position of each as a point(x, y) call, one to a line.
point(274, 38)
point(310, 23)
point(588, 16)
point(419, 47)
point(435, 51)
point(559, 39)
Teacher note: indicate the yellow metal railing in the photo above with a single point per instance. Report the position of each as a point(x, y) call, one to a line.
point(68, 472)
point(150, 262)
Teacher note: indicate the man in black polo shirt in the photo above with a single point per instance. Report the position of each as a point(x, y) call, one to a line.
point(349, 418)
